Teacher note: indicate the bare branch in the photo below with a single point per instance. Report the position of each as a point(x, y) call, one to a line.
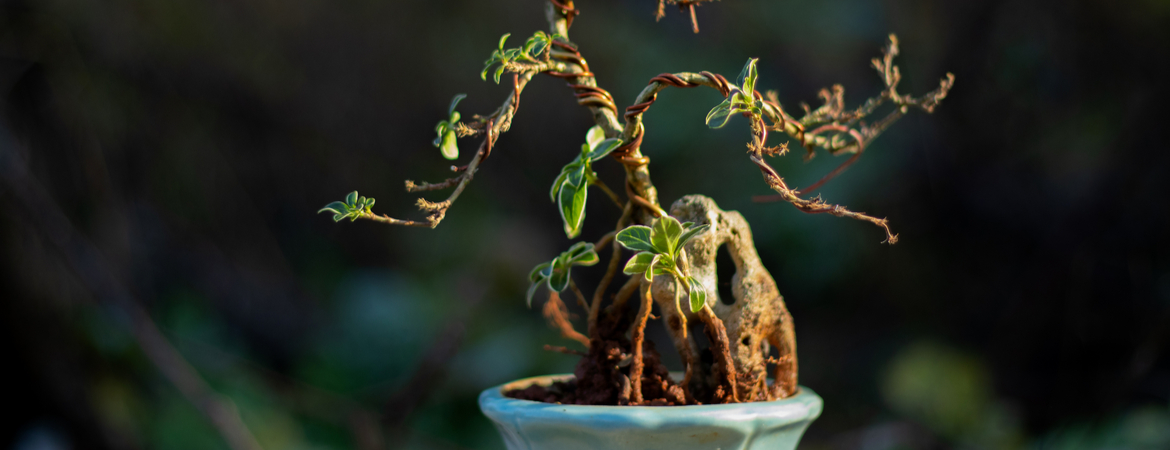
point(816, 205)
point(496, 123)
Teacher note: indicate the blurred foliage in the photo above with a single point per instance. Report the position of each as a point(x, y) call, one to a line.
point(191, 141)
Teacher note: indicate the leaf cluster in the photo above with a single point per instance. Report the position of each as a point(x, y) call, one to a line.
point(353, 207)
point(570, 190)
point(535, 50)
point(555, 273)
point(658, 250)
point(742, 98)
point(446, 141)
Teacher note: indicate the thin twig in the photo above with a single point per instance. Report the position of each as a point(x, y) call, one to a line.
point(610, 271)
point(609, 193)
point(497, 123)
point(816, 205)
point(580, 295)
point(623, 295)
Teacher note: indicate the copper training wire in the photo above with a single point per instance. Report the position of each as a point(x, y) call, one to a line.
point(566, 9)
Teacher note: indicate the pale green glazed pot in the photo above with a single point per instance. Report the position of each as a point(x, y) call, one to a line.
point(529, 425)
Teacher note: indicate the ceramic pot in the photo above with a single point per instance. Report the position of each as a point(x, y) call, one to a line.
point(529, 425)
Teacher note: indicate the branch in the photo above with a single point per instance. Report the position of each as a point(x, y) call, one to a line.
point(496, 123)
point(816, 205)
point(838, 130)
point(684, 6)
point(610, 270)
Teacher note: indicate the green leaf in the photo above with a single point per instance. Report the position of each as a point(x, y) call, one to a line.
point(455, 101)
point(338, 217)
point(576, 174)
point(540, 272)
point(747, 77)
point(664, 265)
point(455, 116)
point(441, 130)
point(689, 234)
point(572, 206)
point(351, 199)
point(503, 39)
point(698, 294)
point(369, 203)
point(653, 269)
point(450, 148)
point(335, 208)
point(665, 234)
point(487, 67)
point(638, 263)
point(532, 290)
point(499, 72)
point(586, 256)
point(594, 136)
point(537, 49)
point(604, 148)
point(720, 113)
point(556, 186)
point(636, 238)
point(576, 250)
point(559, 279)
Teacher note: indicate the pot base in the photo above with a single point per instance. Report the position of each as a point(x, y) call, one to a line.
point(529, 425)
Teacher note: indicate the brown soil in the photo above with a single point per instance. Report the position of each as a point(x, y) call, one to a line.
point(603, 379)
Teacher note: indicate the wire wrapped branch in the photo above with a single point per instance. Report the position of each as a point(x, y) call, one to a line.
point(605, 115)
point(493, 125)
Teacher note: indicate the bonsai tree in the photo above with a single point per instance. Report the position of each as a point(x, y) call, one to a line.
point(667, 257)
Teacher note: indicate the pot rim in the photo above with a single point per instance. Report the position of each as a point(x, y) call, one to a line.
point(806, 405)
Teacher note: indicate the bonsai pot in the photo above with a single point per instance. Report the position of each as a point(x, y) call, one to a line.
point(530, 425)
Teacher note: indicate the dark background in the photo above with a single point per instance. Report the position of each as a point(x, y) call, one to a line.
point(169, 157)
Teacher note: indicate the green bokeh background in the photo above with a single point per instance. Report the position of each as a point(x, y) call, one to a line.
point(191, 141)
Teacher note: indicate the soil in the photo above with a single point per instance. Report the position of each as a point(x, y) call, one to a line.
point(602, 375)
point(603, 379)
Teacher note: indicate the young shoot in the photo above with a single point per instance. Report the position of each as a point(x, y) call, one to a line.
point(535, 50)
point(445, 142)
point(658, 250)
point(555, 274)
point(353, 208)
point(570, 190)
point(742, 98)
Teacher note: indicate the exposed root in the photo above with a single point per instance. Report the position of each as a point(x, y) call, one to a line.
point(558, 316)
point(638, 336)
